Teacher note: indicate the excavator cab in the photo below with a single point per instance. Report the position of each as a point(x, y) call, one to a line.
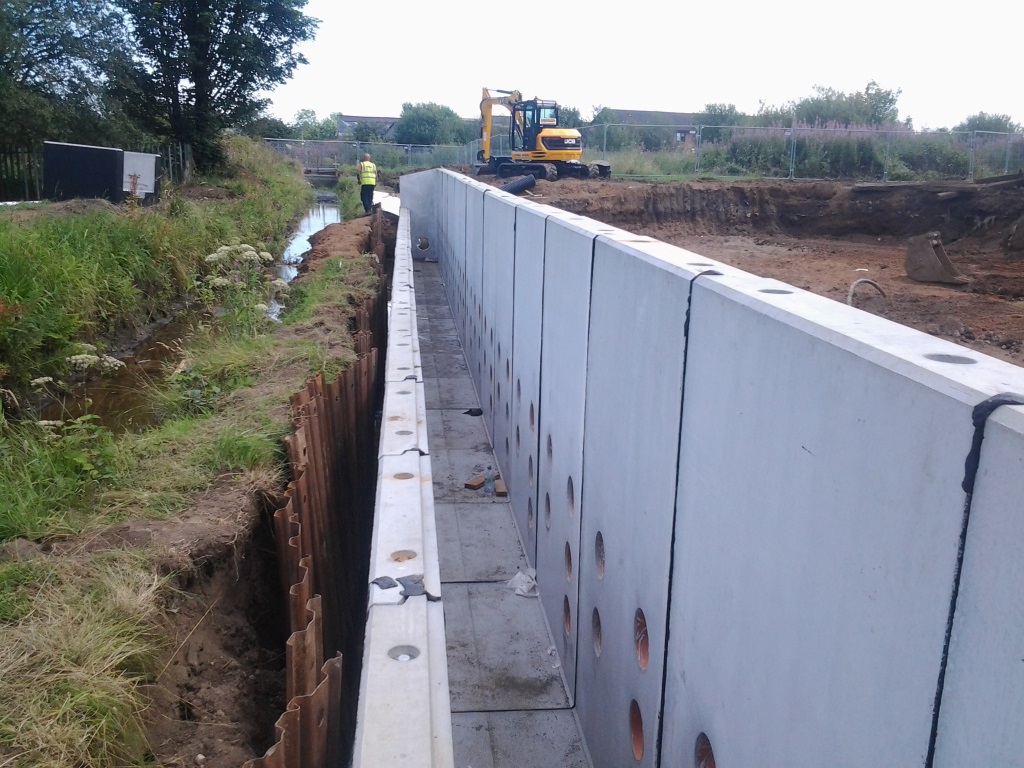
point(529, 119)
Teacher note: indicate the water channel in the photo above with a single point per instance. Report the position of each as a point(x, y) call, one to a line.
point(120, 400)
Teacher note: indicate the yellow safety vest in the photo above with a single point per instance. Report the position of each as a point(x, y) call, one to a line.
point(367, 173)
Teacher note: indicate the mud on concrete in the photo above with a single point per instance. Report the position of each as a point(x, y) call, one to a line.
point(823, 236)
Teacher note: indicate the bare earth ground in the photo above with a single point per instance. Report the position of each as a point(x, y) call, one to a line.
point(822, 236)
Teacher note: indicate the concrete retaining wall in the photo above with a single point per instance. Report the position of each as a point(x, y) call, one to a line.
point(745, 523)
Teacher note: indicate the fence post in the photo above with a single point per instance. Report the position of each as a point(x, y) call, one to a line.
point(1006, 162)
point(888, 149)
point(792, 152)
point(696, 161)
point(604, 140)
point(970, 164)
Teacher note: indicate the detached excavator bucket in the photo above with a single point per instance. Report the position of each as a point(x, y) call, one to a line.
point(927, 261)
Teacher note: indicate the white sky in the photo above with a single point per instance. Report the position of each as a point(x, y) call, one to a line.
point(950, 61)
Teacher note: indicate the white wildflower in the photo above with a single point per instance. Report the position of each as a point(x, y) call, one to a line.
point(108, 363)
point(278, 284)
point(218, 282)
point(83, 362)
point(85, 349)
point(262, 308)
point(41, 381)
point(50, 423)
point(267, 257)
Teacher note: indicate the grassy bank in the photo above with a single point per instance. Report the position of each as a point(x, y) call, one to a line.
point(82, 622)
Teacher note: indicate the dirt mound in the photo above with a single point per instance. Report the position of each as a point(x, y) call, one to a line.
point(822, 236)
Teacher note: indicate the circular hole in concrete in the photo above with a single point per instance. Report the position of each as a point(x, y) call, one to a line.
point(492, 332)
point(518, 441)
point(570, 495)
point(507, 449)
point(773, 290)
point(529, 468)
point(547, 511)
point(568, 562)
point(519, 391)
point(403, 392)
point(550, 451)
point(423, 243)
point(599, 554)
point(636, 730)
point(700, 264)
point(703, 754)
point(499, 390)
point(530, 522)
point(533, 421)
point(490, 370)
point(566, 614)
point(508, 414)
point(403, 344)
point(595, 622)
point(405, 368)
point(491, 400)
point(640, 639)
point(404, 432)
point(403, 476)
point(508, 371)
point(956, 359)
point(401, 555)
point(404, 652)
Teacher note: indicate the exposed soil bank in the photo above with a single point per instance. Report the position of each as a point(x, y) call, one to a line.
point(822, 236)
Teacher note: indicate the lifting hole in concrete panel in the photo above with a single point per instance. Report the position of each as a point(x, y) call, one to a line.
point(507, 449)
point(499, 390)
point(403, 476)
point(774, 290)
point(402, 555)
point(403, 392)
point(568, 562)
point(507, 413)
point(550, 452)
point(547, 511)
point(957, 359)
point(508, 372)
point(423, 244)
point(404, 432)
point(533, 421)
point(636, 730)
point(492, 332)
point(529, 514)
point(529, 468)
point(404, 368)
point(703, 754)
point(518, 441)
point(640, 640)
point(404, 652)
point(595, 623)
point(402, 344)
point(566, 615)
point(599, 554)
point(700, 264)
point(570, 496)
point(519, 391)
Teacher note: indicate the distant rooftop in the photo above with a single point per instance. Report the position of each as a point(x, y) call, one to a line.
point(646, 117)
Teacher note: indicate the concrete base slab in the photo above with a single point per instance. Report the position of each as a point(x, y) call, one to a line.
point(452, 468)
point(507, 740)
point(478, 542)
point(500, 656)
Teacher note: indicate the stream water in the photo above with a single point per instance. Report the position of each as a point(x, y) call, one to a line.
point(120, 401)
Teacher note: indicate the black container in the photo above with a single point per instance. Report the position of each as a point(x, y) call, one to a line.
point(77, 170)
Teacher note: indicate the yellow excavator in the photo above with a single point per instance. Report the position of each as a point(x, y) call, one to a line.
point(538, 145)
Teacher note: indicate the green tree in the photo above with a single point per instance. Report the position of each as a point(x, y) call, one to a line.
point(265, 127)
point(52, 59)
point(718, 115)
point(430, 123)
point(369, 133)
point(983, 121)
point(307, 126)
point(569, 117)
point(200, 63)
point(872, 106)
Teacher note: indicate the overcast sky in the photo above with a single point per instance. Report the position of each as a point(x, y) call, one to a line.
point(949, 61)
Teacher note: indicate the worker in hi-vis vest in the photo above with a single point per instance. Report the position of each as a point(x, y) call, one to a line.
point(366, 172)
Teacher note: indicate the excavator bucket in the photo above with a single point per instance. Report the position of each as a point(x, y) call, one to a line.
point(927, 261)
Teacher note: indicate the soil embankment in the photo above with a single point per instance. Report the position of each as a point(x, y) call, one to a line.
point(822, 236)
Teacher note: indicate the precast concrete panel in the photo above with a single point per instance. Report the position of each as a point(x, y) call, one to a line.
point(459, 303)
point(499, 292)
point(634, 387)
point(473, 343)
point(529, 302)
point(420, 194)
point(983, 697)
point(819, 510)
point(569, 254)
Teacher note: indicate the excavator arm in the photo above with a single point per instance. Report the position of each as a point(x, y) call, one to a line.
point(489, 101)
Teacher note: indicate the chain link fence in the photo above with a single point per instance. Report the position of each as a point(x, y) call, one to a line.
point(328, 156)
point(802, 153)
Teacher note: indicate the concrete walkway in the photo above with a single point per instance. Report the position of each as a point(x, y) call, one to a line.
point(509, 704)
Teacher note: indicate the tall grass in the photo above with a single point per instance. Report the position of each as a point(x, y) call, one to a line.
point(68, 277)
